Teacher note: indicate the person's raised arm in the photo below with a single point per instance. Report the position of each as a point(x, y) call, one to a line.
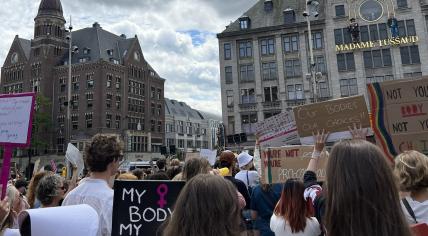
point(319, 140)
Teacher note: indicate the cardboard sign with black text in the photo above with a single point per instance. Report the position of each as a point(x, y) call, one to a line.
point(140, 207)
point(334, 116)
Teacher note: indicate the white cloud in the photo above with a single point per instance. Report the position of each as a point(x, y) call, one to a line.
point(177, 37)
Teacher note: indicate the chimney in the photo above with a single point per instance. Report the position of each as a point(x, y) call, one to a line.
point(96, 25)
point(123, 36)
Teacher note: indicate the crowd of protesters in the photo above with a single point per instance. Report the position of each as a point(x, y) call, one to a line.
point(364, 193)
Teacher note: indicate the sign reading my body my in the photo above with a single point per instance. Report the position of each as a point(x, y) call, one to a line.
point(400, 110)
point(333, 116)
point(140, 207)
point(282, 163)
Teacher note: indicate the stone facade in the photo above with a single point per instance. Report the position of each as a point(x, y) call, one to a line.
point(265, 62)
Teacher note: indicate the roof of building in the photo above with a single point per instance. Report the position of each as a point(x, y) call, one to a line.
point(50, 7)
point(181, 109)
point(262, 18)
point(26, 46)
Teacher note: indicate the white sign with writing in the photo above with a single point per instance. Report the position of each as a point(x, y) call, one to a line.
point(210, 155)
point(15, 114)
point(74, 156)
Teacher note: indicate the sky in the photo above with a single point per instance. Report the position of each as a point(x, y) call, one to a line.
point(178, 37)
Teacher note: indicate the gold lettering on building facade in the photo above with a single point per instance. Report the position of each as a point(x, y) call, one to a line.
point(378, 43)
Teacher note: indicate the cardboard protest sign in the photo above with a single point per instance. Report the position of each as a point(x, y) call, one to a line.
point(74, 156)
point(400, 115)
point(276, 131)
point(334, 116)
point(140, 207)
point(282, 163)
point(210, 155)
point(192, 155)
point(16, 115)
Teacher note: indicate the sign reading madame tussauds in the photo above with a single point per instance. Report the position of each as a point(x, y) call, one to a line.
point(378, 43)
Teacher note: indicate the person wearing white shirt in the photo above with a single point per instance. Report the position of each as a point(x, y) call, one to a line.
point(103, 157)
point(249, 177)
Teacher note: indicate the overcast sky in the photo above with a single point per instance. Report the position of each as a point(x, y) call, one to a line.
point(178, 37)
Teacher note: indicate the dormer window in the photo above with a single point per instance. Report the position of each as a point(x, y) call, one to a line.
point(110, 52)
point(244, 22)
point(137, 56)
point(268, 5)
point(289, 16)
point(86, 51)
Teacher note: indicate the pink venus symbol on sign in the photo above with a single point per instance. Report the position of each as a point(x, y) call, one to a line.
point(162, 190)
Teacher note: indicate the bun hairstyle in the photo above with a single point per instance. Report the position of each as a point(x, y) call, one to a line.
point(411, 171)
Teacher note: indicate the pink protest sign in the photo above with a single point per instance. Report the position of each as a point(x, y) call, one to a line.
point(16, 115)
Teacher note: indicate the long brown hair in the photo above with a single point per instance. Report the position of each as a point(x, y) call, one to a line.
point(32, 187)
point(207, 206)
point(362, 196)
point(292, 206)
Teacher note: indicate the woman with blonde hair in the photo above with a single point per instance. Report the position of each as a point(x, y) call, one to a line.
point(9, 223)
point(411, 170)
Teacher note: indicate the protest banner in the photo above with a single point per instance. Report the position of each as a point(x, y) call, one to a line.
point(334, 116)
point(277, 131)
point(16, 115)
point(140, 207)
point(36, 166)
point(74, 156)
point(400, 115)
point(210, 155)
point(282, 163)
point(192, 155)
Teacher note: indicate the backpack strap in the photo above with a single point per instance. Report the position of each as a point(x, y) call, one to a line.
point(409, 209)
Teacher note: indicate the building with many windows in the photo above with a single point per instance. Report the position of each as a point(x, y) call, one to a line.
point(265, 57)
point(187, 129)
point(113, 88)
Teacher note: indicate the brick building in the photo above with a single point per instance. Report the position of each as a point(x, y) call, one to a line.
point(114, 89)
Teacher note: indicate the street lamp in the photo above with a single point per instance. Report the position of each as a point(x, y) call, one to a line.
point(311, 10)
point(71, 50)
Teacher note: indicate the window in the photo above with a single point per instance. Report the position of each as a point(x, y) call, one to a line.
point(410, 55)
point(89, 100)
point(159, 126)
point(249, 123)
point(230, 99)
point(108, 120)
point(269, 71)
point(181, 143)
point(345, 61)
point(62, 85)
point(228, 74)
point(227, 51)
point(153, 109)
point(289, 16)
point(246, 73)
point(383, 31)
point(267, 46)
point(138, 143)
point(291, 43)
point(268, 5)
point(245, 49)
point(402, 3)
point(323, 90)
point(108, 100)
point(110, 52)
point(293, 68)
point(317, 40)
point(88, 120)
point(159, 110)
point(269, 114)
point(401, 28)
point(109, 80)
point(271, 94)
point(75, 121)
point(413, 75)
point(153, 125)
point(364, 33)
point(118, 81)
point(117, 122)
point(118, 101)
point(248, 96)
point(377, 58)
point(152, 92)
point(319, 64)
point(377, 79)
point(244, 22)
point(75, 83)
point(340, 10)
point(75, 102)
point(295, 92)
point(189, 128)
point(159, 94)
point(348, 87)
point(410, 28)
point(180, 127)
point(189, 143)
point(338, 38)
point(373, 32)
point(86, 51)
point(89, 81)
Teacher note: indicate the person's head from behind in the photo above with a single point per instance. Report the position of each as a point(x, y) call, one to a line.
point(245, 161)
point(411, 171)
point(360, 191)
point(207, 206)
point(173, 171)
point(21, 185)
point(139, 173)
point(158, 176)
point(161, 163)
point(104, 154)
point(32, 187)
point(14, 202)
point(292, 206)
point(174, 162)
point(194, 166)
point(127, 176)
point(227, 159)
point(51, 190)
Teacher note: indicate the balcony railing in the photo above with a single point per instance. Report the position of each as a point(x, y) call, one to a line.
point(296, 102)
point(248, 106)
point(275, 104)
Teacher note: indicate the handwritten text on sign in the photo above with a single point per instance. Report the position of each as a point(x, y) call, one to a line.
point(15, 119)
point(334, 116)
point(276, 131)
point(140, 207)
point(282, 163)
